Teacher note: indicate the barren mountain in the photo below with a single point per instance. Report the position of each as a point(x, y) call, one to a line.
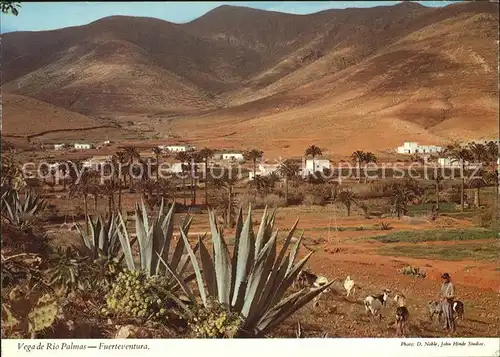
point(246, 75)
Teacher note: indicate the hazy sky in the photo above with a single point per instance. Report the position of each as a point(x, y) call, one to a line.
point(37, 16)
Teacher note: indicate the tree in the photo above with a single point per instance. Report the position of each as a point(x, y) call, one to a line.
point(119, 159)
point(131, 155)
point(63, 169)
point(313, 151)
point(227, 205)
point(492, 149)
point(401, 196)
point(288, 170)
point(84, 188)
point(479, 152)
point(253, 155)
point(10, 7)
point(206, 154)
point(437, 177)
point(347, 197)
point(157, 153)
point(194, 159)
point(358, 157)
point(183, 157)
point(477, 182)
point(462, 156)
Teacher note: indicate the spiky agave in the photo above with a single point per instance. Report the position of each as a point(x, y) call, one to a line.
point(102, 239)
point(156, 242)
point(21, 212)
point(253, 281)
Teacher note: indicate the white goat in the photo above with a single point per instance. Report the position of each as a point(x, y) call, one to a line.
point(374, 303)
point(349, 285)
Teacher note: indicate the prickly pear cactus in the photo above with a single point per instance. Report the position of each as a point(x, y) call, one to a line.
point(43, 314)
point(27, 313)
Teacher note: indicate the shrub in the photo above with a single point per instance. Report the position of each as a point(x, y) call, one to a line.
point(312, 200)
point(214, 321)
point(135, 294)
point(385, 226)
point(273, 200)
point(488, 219)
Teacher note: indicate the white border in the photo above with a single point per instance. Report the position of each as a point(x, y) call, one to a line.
point(386, 347)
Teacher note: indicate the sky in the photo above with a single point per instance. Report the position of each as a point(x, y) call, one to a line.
point(39, 16)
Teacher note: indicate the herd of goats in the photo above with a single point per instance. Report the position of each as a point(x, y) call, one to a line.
point(374, 303)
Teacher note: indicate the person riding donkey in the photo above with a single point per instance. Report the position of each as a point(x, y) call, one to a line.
point(447, 298)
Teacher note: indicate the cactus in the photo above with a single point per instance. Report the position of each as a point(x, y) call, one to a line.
point(43, 314)
point(28, 313)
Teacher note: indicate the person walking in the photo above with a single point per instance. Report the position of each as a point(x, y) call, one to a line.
point(447, 298)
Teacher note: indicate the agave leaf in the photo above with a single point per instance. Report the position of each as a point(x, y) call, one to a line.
point(295, 250)
point(239, 227)
point(208, 269)
point(179, 280)
point(286, 243)
point(245, 255)
point(176, 257)
point(259, 240)
point(143, 237)
point(275, 311)
point(168, 229)
point(222, 263)
point(157, 240)
point(196, 268)
point(289, 279)
point(289, 310)
point(125, 244)
point(268, 256)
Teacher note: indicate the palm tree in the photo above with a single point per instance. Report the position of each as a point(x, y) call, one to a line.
point(401, 196)
point(131, 154)
point(83, 188)
point(157, 152)
point(461, 155)
point(358, 157)
point(347, 197)
point(477, 182)
point(437, 177)
point(206, 154)
point(368, 158)
point(479, 152)
point(313, 151)
point(226, 183)
point(287, 169)
point(183, 157)
point(492, 149)
point(253, 155)
point(108, 189)
point(63, 168)
point(194, 160)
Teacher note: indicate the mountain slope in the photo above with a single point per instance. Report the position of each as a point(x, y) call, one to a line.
point(427, 70)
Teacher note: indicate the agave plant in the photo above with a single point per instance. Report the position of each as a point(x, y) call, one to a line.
point(253, 281)
point(156, 242)
point(102, 239)
point(19, 212)
point(65, 275)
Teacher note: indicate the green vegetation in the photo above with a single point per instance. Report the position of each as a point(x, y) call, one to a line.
point(484, 251)
point(436, 235)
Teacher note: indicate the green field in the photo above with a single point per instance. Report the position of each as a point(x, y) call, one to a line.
point(484, 251)
point(436, 235)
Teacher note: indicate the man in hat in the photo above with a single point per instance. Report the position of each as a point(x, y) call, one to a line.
point(447, 298)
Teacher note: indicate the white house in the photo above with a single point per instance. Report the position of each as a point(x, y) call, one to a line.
point(59, 146)
point(80, 146)
point(96, 162)
point(176, 148)
point(414, 148)
point(316, 165)
point(233, 156)
point(263, 170)
point(449, 162)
